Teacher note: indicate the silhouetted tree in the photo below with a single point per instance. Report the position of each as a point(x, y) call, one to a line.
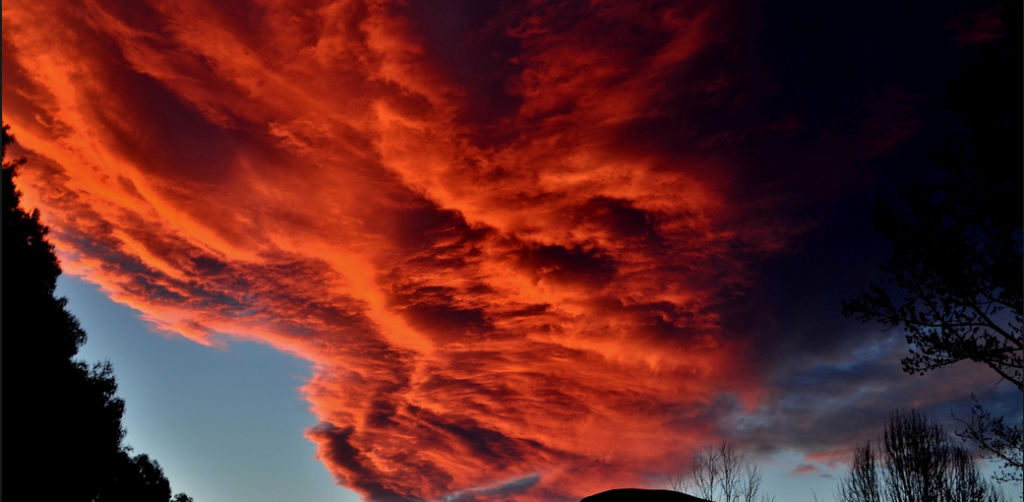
point(67, 413)
point(916, 462)
point(954, 281)
point(861, 485)
point(721, 474)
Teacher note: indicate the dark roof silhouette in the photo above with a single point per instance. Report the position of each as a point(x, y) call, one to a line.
point(641, 495)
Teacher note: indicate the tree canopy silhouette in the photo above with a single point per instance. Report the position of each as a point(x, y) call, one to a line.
point(72, 446)
point(720, 473)
point(916, 461)
point(954, 281)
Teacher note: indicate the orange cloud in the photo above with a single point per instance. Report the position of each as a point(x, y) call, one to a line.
point(501, 294)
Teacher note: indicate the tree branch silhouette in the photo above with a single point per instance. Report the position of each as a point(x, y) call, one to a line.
point(954, 280)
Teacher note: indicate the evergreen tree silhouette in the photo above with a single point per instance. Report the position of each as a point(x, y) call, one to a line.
point(70, 444)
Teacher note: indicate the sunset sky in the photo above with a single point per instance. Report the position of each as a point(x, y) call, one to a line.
point(475, 250)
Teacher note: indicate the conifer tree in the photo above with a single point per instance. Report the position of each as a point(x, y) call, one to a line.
point(65, 413)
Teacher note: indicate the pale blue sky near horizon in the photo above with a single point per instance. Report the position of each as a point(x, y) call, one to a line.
point(225, 424)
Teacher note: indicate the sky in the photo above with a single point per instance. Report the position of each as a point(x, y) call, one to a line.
point(473, 251)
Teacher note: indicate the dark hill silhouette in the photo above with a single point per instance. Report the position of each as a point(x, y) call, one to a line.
point(641, 495)
point(67, 418)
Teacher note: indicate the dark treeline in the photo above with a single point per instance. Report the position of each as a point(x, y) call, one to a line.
point(68, 441)
point(915, 460)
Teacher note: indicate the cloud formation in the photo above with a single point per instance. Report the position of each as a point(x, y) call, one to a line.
point(505, 234)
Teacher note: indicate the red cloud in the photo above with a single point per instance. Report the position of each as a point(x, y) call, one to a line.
point(803, 469)
point(522, 309)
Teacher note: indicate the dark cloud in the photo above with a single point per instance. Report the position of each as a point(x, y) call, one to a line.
point(578, 266)
point(433, 309)
point(334, 444)
point(500, 492)
point(621, 219)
